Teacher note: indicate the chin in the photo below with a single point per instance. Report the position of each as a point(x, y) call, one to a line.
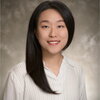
point(54, 52)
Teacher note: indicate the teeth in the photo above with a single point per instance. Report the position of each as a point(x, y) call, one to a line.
point(53, 42)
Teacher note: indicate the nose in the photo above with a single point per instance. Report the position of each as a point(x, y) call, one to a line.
point(53, 32)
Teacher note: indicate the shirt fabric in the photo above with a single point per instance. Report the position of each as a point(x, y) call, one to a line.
point(69, 83)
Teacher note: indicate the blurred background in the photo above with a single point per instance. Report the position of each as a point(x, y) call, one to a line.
point(84, 49)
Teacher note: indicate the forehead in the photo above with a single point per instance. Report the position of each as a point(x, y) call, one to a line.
point(51, 15)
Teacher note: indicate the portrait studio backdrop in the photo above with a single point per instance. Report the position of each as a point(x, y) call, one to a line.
point(84, 49)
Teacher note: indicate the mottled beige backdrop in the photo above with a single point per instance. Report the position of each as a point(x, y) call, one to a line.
point(84, 48)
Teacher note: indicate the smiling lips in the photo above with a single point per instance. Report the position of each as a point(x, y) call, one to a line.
point(53, 42)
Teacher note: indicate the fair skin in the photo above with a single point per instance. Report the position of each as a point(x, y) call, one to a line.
point(52, 34)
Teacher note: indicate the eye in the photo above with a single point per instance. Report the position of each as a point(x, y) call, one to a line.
point(60, 26)
point(45, 26)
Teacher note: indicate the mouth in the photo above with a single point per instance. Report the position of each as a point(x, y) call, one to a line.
point(53, 42)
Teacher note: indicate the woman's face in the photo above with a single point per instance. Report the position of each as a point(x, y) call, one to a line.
point(52, 32)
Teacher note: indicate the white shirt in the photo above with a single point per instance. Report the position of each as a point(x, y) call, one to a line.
point(69, 83)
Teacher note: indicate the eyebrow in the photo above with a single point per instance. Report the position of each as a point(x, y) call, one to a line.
point(48, 21)
point(44, 21)
point(60, 20)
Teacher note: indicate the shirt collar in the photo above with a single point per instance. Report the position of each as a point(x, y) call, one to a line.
point(50, 74)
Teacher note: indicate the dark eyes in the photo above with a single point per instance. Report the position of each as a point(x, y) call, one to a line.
point(45, 26)
point(59, 26)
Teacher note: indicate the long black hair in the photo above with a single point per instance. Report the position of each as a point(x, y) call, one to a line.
point(34, 61)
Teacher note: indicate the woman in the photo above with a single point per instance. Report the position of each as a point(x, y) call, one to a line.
point(47, 74)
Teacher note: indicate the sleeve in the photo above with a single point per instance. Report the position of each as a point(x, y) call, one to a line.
point(83, 95)
point(10, 91)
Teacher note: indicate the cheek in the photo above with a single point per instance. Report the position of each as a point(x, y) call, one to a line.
point(64, 38)
point(42, 37)
point(42, 34)
point(64, 35)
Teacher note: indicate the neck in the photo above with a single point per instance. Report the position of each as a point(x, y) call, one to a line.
point(53, 61)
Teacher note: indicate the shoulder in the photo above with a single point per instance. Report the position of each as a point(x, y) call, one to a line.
point(17, 73)
point(16, 77)
point(74, 70)
point(73, 66)
point(19, 69)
